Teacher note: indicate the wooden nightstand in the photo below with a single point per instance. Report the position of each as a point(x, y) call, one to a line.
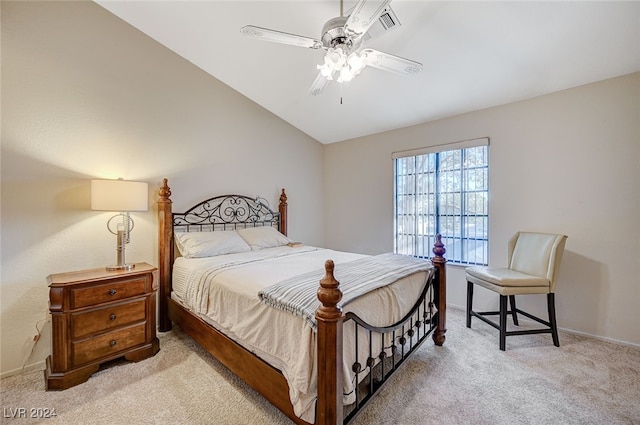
point(97, 316)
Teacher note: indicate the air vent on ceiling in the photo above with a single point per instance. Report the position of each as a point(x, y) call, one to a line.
point(385, 23)
point(387, 20)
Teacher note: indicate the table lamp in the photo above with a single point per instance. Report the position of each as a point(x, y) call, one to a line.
point(123, 196)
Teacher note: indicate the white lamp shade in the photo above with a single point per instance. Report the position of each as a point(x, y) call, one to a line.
point(119, 195)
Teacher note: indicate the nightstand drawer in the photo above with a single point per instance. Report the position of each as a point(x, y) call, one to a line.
point(107, 345)
point(106, 318)
point(113, 291)
point(98, 315)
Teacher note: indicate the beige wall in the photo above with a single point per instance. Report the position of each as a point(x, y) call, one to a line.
point(568, 162)
point(85, 95)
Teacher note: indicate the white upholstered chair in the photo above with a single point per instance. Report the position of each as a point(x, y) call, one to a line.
point(534, 261)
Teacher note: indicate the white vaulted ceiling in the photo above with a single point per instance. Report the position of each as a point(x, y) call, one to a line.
point(475, 55)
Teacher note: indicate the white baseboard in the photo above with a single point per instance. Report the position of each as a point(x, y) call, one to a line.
point(571, 331)
point(28, 368)
point(601, 338)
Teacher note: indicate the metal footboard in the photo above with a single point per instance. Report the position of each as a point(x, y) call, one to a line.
point(388, 347)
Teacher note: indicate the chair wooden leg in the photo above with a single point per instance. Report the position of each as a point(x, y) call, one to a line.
point(512, 301)
point(551, 306)
point(503, 322)
point(469, 302)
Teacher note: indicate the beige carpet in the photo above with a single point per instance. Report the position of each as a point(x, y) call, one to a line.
point(467, 381)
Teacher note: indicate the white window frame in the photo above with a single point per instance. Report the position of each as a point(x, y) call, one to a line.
point(433, 190)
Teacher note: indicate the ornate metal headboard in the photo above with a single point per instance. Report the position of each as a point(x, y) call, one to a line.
point(222, 212)
point(227, 212)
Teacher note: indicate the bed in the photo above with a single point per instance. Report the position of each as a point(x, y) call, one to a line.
point(318, 357)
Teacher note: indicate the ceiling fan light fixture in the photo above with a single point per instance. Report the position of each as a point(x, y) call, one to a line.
point(356, 62)
point(327, 71)
point(336, 58)
point(346, 75)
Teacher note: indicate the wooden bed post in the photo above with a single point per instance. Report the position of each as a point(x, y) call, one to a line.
point(329, 318)
point(165, 245)
point(282, 207)
point(441, 291)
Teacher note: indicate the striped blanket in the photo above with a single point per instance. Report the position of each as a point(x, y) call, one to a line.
point(298, 295)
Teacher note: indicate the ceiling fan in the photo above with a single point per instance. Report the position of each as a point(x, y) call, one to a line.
point(341, 38)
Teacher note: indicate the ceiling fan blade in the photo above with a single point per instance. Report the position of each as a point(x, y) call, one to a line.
point(280, 37)
point(364, 15)
point(391, 63)
point(319, 84)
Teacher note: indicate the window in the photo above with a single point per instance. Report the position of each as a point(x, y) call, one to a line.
point(443, 190)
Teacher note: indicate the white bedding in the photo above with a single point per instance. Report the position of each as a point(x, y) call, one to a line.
point(223, 290)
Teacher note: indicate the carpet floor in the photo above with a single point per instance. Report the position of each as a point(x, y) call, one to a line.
point(466, 381)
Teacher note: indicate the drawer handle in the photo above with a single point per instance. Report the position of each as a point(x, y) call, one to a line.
point(112, 292)
point(112, 317)
point(112, 343)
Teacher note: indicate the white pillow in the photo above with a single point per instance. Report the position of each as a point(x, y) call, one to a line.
point(263, 237)
point(209, 244)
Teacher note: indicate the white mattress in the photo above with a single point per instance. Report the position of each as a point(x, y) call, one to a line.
point(223, 290)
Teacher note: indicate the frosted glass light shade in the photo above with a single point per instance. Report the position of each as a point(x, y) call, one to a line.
point(119, 195)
